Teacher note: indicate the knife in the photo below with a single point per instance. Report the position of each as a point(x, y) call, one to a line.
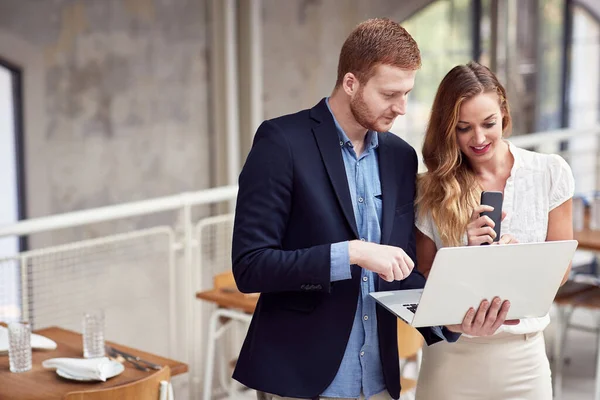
point(120, 358)
point(130, 357)
point(123, 360)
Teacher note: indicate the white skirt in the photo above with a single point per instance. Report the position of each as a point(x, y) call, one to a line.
point(500, 367)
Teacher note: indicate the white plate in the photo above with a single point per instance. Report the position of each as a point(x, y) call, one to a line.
point(116, 369)
point(38, 342)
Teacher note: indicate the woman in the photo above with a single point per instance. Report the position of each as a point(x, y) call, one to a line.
point(466, 153)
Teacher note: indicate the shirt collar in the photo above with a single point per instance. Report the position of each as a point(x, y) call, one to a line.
point(515, 154)
point(371, 138)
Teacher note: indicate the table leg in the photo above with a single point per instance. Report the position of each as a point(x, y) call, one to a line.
point(597, 386)
point(558, 352)
point(210, 355)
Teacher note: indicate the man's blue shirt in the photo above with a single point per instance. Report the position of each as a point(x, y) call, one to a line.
point(361, 368)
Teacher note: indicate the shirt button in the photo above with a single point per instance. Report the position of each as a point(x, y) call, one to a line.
point(366, 317)
point(360, 199)
point(363, 239)
point(365, 279)
point(362, 353)
point(341, 143)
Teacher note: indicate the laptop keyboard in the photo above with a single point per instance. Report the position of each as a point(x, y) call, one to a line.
point(411, 307)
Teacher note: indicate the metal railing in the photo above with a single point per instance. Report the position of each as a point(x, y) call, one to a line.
point(144, 279)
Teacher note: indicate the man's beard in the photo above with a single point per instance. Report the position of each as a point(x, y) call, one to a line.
point(361, 112)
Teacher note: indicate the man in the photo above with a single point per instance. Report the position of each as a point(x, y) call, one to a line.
point(324, 217)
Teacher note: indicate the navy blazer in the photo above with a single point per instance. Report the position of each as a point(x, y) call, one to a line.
point(293, 203)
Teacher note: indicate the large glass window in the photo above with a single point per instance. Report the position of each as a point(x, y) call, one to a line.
point(584, 97)
point(584, 88)
point(549, 93)
point(9, 192)
point(443, 31)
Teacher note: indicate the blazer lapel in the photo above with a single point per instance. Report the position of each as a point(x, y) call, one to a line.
point(389, 186)
point(329, 146)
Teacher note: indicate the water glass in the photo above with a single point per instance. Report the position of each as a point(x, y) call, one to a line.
point(19, 346)
point(93, 334)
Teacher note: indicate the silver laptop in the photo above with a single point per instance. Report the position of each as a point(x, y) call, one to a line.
point(526, 274)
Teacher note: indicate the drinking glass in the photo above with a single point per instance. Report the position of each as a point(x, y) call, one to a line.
point(19, 346)
point(93, 334)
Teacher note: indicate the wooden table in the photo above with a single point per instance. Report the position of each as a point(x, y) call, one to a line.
point(41, 383)
point(588, 239)
point(230, 297)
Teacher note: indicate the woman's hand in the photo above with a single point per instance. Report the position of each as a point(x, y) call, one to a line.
point(507, 238)
point(481, 227)
point(486, 320)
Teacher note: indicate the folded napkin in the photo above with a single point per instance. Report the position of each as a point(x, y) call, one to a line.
point(37, 341)
point(83, 368)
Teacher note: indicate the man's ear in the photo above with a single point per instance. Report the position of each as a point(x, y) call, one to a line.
point(350, 84)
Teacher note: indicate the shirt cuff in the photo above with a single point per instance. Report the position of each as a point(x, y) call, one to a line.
point(447, 334)
point(340, 262)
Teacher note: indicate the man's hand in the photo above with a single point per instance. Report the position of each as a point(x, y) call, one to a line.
point(389, 262)
point(486, 320)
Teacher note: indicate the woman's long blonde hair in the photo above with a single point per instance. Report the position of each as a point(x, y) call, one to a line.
point(449, 189)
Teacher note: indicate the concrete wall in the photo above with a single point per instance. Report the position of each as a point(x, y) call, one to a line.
point(116, 98)
point(302, 41)
point(115, 103)
point(116, 91)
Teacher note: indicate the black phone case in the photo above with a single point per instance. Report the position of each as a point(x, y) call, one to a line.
point(493, 199)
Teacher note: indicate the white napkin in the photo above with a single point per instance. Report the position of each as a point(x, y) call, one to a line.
point(85, 368)
point(37, 341)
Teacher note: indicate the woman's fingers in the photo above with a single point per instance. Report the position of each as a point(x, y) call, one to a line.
point(479, 209)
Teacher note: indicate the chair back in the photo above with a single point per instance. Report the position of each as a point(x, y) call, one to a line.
point(224, 280)
point(410, 340)
point(146, 388)
point(410, 343)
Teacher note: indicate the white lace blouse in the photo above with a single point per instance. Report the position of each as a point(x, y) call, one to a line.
point(537, 184)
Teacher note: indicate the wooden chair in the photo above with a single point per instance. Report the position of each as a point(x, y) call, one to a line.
point(233, 308)
point(410, 343)
point(224, 280)
point(147, 388)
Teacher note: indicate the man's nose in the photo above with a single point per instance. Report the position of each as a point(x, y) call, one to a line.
point(399, 108)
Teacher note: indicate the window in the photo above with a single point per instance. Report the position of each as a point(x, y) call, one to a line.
point(584, 79)
point(11, 199)
point(584, 97)
point(443, 31)
point(551, 48)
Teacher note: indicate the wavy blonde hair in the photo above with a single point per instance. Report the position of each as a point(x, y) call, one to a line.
point(449, 190)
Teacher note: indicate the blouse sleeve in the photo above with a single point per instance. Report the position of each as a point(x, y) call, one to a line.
point(562, 183)
point(424, 223)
